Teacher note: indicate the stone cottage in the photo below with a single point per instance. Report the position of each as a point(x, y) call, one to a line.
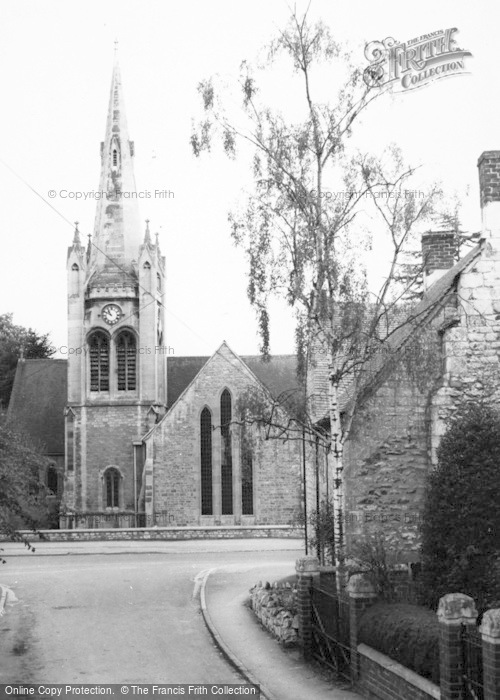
point(446, 349)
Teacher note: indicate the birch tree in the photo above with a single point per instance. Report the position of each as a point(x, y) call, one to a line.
point(300, 225)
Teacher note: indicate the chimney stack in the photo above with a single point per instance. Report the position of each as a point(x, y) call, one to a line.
point(489, 187)
point(439, 253)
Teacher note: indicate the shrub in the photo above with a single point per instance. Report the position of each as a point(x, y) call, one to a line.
point(461, 519)
point(322, 537)
point(372, 556)
point(406, 633)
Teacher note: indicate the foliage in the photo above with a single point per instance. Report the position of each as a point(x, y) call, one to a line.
point(371, 556)
point(22, 494)
point(406, 633)
point(14, 340)
point(461, 518)
point(302, 224)
point(322, 537)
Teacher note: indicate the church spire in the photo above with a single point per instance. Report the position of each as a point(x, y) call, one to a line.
point(117, 234)
point(147, 235)
point(76, 237)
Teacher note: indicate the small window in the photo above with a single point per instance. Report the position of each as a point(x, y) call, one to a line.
point(158, 282)
point(112, 488)
point(115, 158)
point(52, 480)
point(70, 442)
point(75, 267)
point(147, 265)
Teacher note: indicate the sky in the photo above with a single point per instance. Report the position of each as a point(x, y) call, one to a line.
point(55, 70)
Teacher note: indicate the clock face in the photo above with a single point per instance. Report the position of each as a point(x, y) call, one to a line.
point(111, 314)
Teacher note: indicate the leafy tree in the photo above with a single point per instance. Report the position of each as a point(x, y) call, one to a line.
point(14, 341)
point(461, 519)
point(301, 226)
point(22, 493)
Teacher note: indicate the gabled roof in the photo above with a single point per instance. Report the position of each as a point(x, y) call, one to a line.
point(277, 375)
point(37, 402)
point(417, 317)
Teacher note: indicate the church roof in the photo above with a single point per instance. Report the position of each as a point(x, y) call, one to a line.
point(37, 402)
point(278, 375)
point(39, 395)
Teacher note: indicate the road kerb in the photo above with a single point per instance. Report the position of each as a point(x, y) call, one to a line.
point(3, 598)
point(230, 656)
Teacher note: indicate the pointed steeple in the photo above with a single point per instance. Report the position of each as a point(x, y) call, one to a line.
point(76, 237)
point(147, 235)
point(117, 231)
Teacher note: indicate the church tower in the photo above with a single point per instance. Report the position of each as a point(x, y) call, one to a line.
point(116, 363)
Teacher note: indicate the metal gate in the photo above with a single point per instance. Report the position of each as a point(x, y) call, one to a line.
point(472, 663)
point(330, 631)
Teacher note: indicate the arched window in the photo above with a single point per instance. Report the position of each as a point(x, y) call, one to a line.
point(70, 441)
point(115, 157)
point(112, 488)
point(75, 267)
point(226, 455)
point(246, 459)
point(206, 461)
point(99, 362)
point(126, 361)
point(147, 265)
point(158, 282)
point(52, 479)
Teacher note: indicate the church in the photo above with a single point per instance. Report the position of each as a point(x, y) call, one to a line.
point(138, 437)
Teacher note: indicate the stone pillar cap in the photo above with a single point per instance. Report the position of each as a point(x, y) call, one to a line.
point(307, 565)
point(490, 625)
point(456, 608)
point(360, 586)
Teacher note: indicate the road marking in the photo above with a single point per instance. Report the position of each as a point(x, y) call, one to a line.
point(198, 580)
point(8, 597)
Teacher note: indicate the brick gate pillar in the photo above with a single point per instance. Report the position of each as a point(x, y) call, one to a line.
point(454, 610)
point(362, 595)
point(490, 633)
point(307, 569)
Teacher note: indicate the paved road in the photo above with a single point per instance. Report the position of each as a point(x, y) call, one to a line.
point(117, 618)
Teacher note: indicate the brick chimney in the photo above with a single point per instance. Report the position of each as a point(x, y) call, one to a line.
point(439, 253)
point(489, 187)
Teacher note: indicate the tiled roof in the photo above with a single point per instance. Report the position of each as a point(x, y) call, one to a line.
point(37, 402)
point(40, 390)
point(278, 375)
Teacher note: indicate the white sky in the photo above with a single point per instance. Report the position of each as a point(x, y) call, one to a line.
point(55, 70)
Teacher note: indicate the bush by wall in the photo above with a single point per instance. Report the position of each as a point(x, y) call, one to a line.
point(406, 633)
point(461, 519)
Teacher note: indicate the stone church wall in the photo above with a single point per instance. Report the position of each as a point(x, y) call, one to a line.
point(103, 438)
point(177, 463)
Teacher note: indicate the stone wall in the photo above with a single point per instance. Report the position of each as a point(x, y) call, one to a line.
point(103, 437)
point(165, 533)
point(276, 607)
point(387, 456)
point(175, 448)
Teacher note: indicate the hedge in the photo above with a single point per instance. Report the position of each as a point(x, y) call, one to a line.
point(406, 633)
